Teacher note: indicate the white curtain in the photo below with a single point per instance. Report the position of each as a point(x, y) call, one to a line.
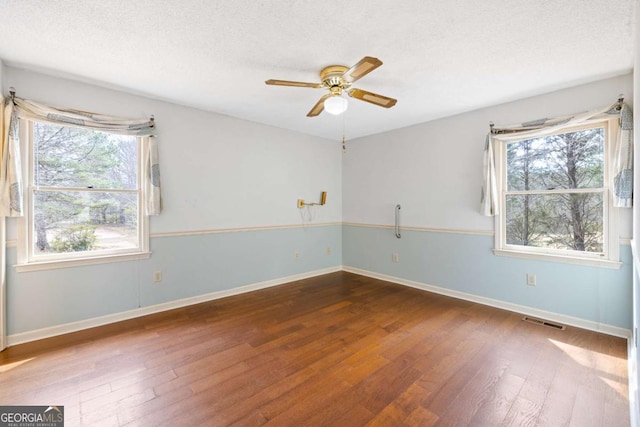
point(25, 109)
point(489, 197)
point(152, 172)
point(622, 167)
point(11, 172)
point(623, 161)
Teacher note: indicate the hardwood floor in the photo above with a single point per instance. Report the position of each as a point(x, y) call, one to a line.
point(335, 350)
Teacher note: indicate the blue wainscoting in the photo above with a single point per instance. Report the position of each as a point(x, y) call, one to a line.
point(191, 266)
point(465, 265)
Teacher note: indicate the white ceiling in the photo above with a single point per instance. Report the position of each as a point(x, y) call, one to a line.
point(441, 57)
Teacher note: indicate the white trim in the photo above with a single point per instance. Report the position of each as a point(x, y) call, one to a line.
point(424, 229)
point(560, 318)
point(610, 219)
point(66, 328)
point(3, 279)
point(13, 242)
point(632, 372)
point(623, 240)
point(78, 262)
point(634, 254)
point(239, 229)
point(632, 351)
point(592, 262)
point(26, 261)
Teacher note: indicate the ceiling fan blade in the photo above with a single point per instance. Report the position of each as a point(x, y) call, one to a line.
point(290, 83)
point(374, 98)
point(317, 109)
point(361, 69)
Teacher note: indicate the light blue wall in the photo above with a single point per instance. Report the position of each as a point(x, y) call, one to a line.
point(191, 266)
point(466, 263)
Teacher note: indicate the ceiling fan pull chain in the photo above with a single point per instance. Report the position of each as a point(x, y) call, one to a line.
point(344, 145)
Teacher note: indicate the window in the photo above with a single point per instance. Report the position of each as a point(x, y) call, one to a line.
point(83, 198)
point(555, 200)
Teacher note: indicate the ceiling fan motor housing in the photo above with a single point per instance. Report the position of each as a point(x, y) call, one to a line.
point(331, 77)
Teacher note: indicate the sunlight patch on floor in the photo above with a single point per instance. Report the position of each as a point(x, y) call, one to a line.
point(10, 366)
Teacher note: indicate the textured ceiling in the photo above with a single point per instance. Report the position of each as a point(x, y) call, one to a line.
point(441, 57)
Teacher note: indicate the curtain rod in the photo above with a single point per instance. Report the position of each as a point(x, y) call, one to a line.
point(492, 131)
point(12, 95)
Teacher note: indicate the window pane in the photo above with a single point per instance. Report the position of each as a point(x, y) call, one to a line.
point(568, 160)
point(73, 157)
point(558, 221)
point(84, 221)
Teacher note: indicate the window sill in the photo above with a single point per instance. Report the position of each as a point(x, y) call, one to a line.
point(592, 262)
point(78, 262)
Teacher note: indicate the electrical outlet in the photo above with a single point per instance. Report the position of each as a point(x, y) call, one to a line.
point(296, 255)
point(531, 279)
point(157, 276)
point(395, 257)
point(328, 250)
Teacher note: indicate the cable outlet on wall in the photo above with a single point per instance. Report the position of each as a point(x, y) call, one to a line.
point(395, 257)
point(157, 276)
point(531, 279)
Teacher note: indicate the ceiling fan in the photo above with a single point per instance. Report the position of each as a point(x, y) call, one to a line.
point(338, 79)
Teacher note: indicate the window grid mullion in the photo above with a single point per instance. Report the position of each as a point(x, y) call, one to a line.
point(557, 191)
point(84, 189)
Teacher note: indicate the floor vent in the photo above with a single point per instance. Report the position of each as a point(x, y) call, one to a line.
point(543, 323)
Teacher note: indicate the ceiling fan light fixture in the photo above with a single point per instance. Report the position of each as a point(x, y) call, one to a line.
point(335, 105)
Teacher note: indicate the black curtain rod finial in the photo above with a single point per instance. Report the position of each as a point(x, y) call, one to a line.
point(12, 94)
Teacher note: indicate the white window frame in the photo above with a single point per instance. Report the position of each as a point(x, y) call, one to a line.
point(26, 261)
point(610, 258)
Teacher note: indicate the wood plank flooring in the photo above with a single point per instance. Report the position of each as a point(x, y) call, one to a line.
point(335, 350)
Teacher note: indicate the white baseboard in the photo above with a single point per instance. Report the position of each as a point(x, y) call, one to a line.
point(143, 311)
point(66, 328)
point(529, 311)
